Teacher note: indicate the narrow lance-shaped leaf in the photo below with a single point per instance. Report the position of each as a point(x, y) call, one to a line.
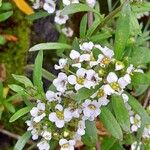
point(49, 46)
point(22, 141)
point(83, 26)
point(22, 79)
point(121, 112)
point(110, 123)
point(37, 73)
point(20, 113)
point(138, 109)
point(90, 137)
point(74, 8)
point(122, 31)
point(5, 15)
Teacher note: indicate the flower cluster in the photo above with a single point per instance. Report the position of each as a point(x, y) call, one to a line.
point(63, 118)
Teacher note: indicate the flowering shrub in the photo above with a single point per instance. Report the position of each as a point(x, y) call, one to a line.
point(98, 80)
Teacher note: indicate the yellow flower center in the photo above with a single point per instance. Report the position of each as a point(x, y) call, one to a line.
point(65, 145)
point(60, 115)
point(80, 80)
point(100, 93)
point(92, 107)
point(115, 86)
point(105, 60)
point(136, 121)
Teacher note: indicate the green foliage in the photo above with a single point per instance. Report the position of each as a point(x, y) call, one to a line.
point(122, 31)
point(83, 26)
point(110, 123)
point(74, 8)
point(22, 141)
point(121, 112)
point(20, 113)
point(139, 109)
point(90, 137)
point(49, 46)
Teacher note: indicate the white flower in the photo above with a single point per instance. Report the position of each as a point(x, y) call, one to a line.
point(33, 130)
point(60, 19)
point(86, 46)
point(91, 109)
point(67, 145)
point(47, 135)
point(130, 69)
point(106, 57)
point(146, 132)
point(61, 82)
point(79, 79)
point(43, 145)
point(60, 116)
point(49, 6)
point(135, 147)
point(81, 128)
point(102, 97)
point(62, 63)
point(38, 112)
point(75, 56)
point(67, 31)
point(84, 78)
point(68, 2)
point(119, 65)
point(91, 3)
point(135, 122)
point(53, 96)
point(36, 4)
point(116, 85)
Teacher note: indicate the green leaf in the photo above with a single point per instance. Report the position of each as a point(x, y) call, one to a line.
point(107, 143)
point(6, 6)
point(121, 112)
point(46, 74)
point(83, 26)
point(110, 123)
point(22, 141)
point(90, 137)
point(140, 79)
point(142, 54)
point(24, 80)
point(100, 36)
point(117, 146)
point(74, 8)
point(37, 73)
point(134, 24)
point(37, 15)
point(53, 144)
point(92, 28)
point(9, 106)
point(141, 7)
point(49, 46)
point(1, 91)
point(16, 88)
point(20, 113)
point(2, 40)
point(138, 109)
point(5, 16)
point(85, 93)
point(122, 31)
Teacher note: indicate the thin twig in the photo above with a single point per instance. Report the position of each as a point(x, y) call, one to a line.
point(147, 98)
point(12, 135)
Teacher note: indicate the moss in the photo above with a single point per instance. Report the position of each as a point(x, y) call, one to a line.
point(13, 54)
